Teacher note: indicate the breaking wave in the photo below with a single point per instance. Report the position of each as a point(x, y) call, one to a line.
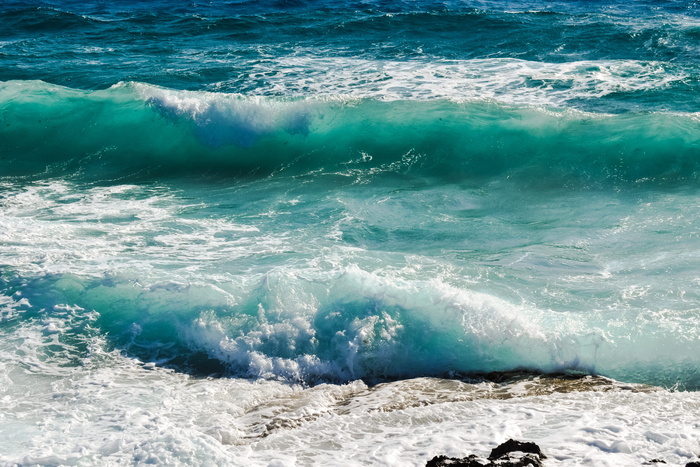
point(148, 131)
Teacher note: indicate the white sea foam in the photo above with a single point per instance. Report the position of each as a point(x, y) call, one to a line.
point(118, 412)
point(507, 80)
point(222, 119)
point(52, 228)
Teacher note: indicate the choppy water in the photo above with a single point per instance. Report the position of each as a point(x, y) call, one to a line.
point(220, 222)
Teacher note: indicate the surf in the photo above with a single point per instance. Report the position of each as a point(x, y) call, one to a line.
point(140, 130)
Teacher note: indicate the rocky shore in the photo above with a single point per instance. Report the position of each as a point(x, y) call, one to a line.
point(512, 453)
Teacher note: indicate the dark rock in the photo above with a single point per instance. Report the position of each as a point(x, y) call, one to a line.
point(529, 455)
point(528, 460)
point(654, 461)
point(442, 461)
point(692, 464)
point(515, 446)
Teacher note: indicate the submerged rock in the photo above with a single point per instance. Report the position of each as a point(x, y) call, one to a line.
point(509, 454)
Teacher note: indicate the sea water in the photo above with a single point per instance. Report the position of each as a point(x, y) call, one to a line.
point(359, 232)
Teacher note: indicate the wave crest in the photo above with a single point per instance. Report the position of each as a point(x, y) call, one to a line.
point(137, 128)
point(345, 324)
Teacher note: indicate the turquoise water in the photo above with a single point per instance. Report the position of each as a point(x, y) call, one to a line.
point(379, 190)
point(298, 232)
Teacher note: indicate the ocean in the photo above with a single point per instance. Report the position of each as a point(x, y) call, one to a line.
point(297, 232)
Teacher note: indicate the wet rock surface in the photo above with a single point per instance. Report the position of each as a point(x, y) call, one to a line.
point(515, 446)
point(512, 453)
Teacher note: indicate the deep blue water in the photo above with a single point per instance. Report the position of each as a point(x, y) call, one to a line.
point(646, 51)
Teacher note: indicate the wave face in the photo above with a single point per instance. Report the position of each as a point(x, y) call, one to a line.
point(134, 129)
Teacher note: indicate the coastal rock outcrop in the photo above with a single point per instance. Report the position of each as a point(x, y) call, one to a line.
point(512, 453)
